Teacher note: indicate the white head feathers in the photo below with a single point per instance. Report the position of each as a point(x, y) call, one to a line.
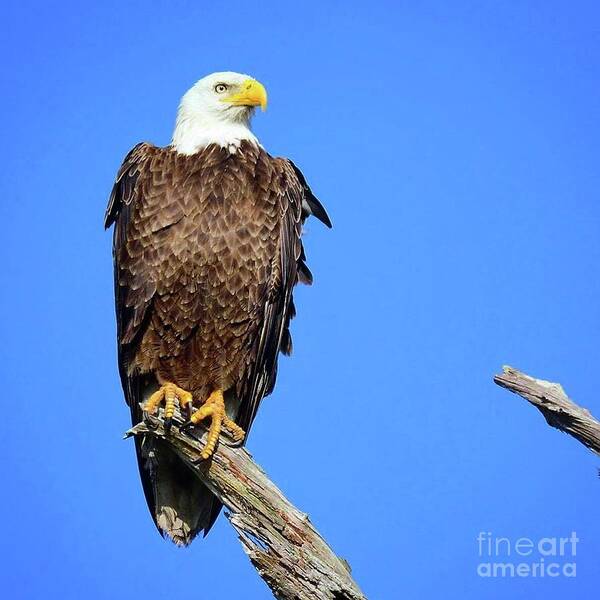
point(218, 110)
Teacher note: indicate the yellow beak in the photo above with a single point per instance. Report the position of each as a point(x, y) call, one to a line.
point(252, 93)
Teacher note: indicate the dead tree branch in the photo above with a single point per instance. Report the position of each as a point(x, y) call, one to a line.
point(558, 410)
point(284, 547)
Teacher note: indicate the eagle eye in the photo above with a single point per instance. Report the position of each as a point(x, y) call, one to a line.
point(220, 88)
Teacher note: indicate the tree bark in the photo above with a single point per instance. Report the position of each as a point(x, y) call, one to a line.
point(558, 410)
point(284, 547)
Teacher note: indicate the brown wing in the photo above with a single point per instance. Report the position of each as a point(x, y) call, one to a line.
point(297, 202)
point(119, 211)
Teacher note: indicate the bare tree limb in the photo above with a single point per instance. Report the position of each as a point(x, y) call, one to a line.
point(284, 547)
point(558, 410)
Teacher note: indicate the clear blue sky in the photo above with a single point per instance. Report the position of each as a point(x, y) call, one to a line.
point(456, 146)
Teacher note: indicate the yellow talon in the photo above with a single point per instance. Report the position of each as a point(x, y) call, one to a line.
point(214, 407)
point(171, 394)
point(236, 431)
point(170, 400)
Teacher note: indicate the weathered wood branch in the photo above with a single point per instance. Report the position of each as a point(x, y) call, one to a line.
point(284, 547)
point(558, 410)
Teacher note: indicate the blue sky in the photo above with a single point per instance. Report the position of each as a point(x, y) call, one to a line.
point(456, 147)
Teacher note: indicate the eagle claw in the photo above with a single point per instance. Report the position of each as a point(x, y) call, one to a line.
point(170, 394)
point(214, 407)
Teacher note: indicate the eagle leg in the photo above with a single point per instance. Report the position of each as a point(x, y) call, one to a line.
point(214, 407)
point(171, 394)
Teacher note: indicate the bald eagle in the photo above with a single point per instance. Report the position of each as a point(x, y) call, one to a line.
point(207, 250)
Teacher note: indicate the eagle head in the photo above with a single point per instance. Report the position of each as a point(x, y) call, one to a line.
point(217, 110)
